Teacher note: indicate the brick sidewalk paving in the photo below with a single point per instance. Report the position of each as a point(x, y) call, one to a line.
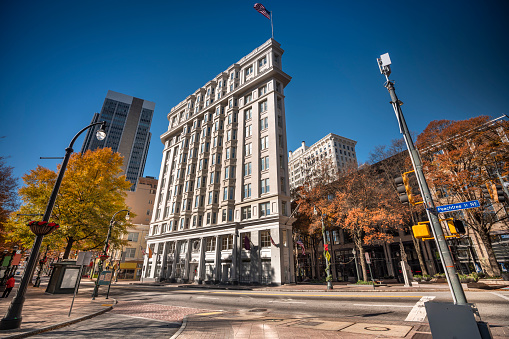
point(42, 310)
point(155, 311)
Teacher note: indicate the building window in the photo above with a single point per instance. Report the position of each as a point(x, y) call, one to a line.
point(246, 212)
point(263, 106)
point(283, 208)
point(249, 130)
point(265, 238)
point(132, 237)
point(247, 190)
point(264, 184)
point(264, 123)
point(262, 62)
point(262, 90)
point(130, 252)
point(283, 186)
point(249, 149)
point(249, 70)
point(264, 163)
point(264, 143)
point(227, 242)
point(248, 113)
point(264, 209)
point(247, 99)
point(247, 169)
point(211, 244)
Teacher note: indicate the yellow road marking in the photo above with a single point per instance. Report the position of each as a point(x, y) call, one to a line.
point(210, 313)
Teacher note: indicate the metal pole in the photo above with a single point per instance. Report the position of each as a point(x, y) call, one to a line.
point(75, 289)
point(452, 278)
point(354, 251)
point(95, 293)
point(13, 317)
point(327, 269)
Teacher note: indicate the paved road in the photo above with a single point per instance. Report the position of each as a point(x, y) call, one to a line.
point(159, 310)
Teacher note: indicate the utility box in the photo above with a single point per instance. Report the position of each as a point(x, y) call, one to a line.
point(63, 278)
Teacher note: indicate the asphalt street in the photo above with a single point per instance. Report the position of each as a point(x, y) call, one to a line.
point(158, 310)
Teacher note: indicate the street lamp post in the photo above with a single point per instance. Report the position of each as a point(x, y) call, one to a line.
point(13, 317)
point(104, 256)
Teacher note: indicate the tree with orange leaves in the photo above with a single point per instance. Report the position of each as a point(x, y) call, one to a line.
point(311, 199)
point(363, 207)
point(460, 158)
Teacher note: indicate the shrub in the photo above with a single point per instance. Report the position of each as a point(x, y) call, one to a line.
point(363, 282)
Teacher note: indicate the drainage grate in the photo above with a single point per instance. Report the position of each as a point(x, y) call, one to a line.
point(258, 310)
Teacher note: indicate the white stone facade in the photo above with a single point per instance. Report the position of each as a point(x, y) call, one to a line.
point(224, 177)
point(339, 150)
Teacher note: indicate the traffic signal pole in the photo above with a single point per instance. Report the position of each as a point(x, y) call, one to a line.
point(445, 255)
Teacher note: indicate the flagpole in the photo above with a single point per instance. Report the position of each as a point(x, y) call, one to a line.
point(271, 25)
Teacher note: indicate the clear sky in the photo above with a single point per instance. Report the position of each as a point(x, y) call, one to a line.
point(58, 59)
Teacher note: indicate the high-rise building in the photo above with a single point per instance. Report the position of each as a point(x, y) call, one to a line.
point(339, 152)
point(128, 122)
point(222, 205)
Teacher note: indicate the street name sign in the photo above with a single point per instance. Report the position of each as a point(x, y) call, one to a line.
point(458, 206)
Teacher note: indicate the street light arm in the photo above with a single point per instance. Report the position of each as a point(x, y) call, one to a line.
point(103, 123)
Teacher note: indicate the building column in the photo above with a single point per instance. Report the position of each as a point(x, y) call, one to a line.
point(291, 257)
point(176, 256)
point(235, 258)
point(187, 265)
point(201, 261)
point(388, 259)
point(154, 261)
point(162, 273)
point(217, 260)
point(276, 256)
point(145, 265)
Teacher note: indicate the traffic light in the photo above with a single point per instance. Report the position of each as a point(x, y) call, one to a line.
point(404, 189)
point(498, 193)
point(456, 227)
point(487, 192)
point(422, 230)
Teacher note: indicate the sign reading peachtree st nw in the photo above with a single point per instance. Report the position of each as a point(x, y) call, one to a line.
point(458, 206)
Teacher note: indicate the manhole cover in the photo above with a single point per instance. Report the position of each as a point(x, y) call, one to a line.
point(311, 323)
point(376, 328)
point(258, 310)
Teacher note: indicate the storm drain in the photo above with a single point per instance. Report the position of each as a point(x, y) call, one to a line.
point(258, 310)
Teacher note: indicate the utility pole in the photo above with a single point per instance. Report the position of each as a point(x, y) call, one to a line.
point(458, 294)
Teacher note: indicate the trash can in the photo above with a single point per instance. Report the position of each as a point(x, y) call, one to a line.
point(63, 277)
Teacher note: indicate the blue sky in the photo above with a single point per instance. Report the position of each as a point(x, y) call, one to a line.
point(59, 59)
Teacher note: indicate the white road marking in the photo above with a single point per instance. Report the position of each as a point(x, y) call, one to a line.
point(500, 295)
point(418, 312)
point(371, 305)
point(287, 301)
point(206, 298)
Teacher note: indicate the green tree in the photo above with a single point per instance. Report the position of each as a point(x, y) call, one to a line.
point(92, 190)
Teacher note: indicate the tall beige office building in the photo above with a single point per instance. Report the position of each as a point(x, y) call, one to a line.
point(338, 151)
point(222, 205)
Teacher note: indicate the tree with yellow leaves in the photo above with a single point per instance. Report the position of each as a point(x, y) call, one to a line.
point(92, 190)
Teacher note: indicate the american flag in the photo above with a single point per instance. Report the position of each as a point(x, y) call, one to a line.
point(261, 9)
point(301, 244)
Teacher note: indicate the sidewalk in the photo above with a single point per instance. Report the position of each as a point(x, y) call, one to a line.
point(42, 311)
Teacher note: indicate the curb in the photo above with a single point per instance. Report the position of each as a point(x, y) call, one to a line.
point(60, 325)
point(181, 329)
